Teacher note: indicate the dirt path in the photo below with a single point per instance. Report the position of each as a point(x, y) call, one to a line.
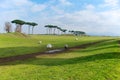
point(33, 55)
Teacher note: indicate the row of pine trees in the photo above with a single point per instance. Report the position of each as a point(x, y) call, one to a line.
point(50, 29)
point(19, 24)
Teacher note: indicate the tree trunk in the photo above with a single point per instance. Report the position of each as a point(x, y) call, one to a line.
point(54, 31)
point(28, 29)
point(17, 28)
point(50, 30)
point(58, 31)
point(20, 28)
point(47, 31)
point(32, 29)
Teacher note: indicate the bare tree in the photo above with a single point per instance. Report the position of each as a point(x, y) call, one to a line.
point(8, 27)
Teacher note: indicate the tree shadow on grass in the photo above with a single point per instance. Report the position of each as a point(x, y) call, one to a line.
point(31, 58)
point(63, 61)
point(13, 51)
point(99, 48)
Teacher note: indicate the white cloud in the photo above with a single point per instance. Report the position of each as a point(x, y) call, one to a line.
point(65, 2)
point(88, 19)
point(111, 2)
point(18, 9)
point(20, 2)
point(90, 7)
point(6, 4)
point(57, 10)
point(38, 7)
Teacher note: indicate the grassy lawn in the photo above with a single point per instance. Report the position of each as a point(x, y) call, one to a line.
point(17, 44)
point(98, 62)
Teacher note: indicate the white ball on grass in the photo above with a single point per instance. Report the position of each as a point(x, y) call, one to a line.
point(40, 42)
point(49, 46)
point(76, 39)
point(66, 46)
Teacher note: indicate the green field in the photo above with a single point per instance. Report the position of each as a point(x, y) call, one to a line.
point(97, 62)
point(18, 44)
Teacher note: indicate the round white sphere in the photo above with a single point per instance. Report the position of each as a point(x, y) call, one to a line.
point(49, 46)
point(76, 39)
point(40, 42)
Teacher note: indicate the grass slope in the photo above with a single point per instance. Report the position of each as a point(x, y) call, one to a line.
point(17, 44)
point(98, 62)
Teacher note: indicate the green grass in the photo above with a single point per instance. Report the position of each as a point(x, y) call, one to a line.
point(98, 62)
point(18, 44)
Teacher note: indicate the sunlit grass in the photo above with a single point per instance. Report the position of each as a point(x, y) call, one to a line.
point(98, 62)
point(17, 44)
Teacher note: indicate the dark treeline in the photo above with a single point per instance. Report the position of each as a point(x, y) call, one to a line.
point(78, 33)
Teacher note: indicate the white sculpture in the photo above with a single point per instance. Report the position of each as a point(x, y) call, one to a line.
point(49, 46)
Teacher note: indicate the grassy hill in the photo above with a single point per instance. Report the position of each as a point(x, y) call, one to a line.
point(17, 44)
point(98, 62)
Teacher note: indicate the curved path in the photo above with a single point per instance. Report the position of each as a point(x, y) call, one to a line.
point(33, 55)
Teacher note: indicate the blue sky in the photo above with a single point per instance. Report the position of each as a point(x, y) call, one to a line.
point(95, 17)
